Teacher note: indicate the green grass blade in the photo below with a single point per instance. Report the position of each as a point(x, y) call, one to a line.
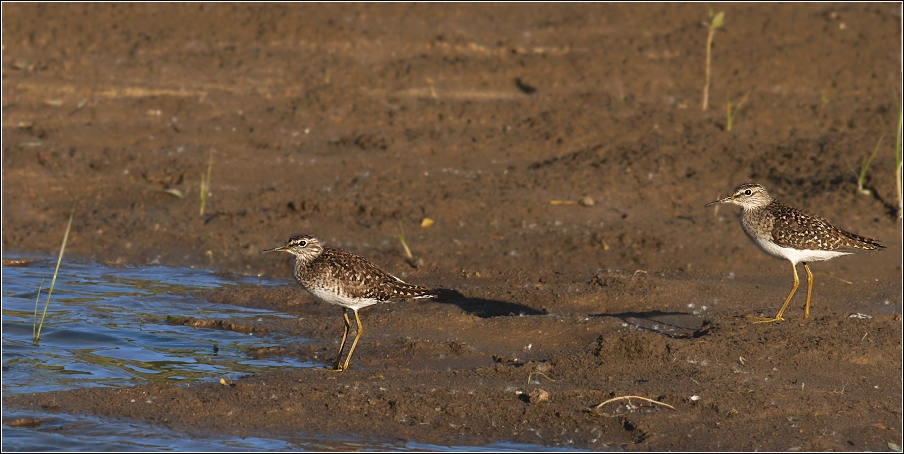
point(728, 116)
point(718, 20)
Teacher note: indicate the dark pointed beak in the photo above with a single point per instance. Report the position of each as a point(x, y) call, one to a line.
point(725, 200)
point(276, 249)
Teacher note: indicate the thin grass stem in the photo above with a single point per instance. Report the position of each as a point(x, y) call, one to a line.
point(715, 21)
point(34, 325)
point(864, 166)
point(898, 161)
point(205, 182)
point(56, 271)
point(730, 115)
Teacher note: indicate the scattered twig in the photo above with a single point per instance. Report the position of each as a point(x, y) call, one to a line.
point(530, 376)
point(833, 276)
point(405, 245)
point(586, 201)
point(635, 397)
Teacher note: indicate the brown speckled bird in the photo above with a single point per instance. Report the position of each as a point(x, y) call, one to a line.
point(792, 234)
point(342, 278)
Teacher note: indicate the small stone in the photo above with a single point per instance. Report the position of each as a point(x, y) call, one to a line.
point(587, 201)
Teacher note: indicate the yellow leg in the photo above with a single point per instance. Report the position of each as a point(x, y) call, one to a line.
point(359, 331)
point(809, 290)
point(778, 317)
point(342, 344)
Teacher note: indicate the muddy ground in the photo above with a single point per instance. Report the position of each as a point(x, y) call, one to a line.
point(356, 122)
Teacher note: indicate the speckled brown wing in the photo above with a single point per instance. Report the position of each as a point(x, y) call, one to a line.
point(360, 278)
point(802, 230)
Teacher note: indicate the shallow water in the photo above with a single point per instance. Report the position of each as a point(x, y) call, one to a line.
point(64, 432)
point(108, 327)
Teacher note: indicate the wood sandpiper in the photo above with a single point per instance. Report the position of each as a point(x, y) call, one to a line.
point(792, 234)
point(342, 278)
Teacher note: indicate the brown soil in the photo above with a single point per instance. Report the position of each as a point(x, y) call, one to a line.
point(351, 122)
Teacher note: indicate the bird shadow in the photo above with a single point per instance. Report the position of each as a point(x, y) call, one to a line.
point(484, 308)
point(676, 325)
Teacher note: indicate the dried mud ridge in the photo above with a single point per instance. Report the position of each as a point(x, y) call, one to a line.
point(215, 324)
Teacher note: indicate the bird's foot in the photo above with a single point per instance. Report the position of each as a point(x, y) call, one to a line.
point(768, 320)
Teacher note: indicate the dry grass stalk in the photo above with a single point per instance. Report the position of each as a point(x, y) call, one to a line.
point(614, 399)
point(37, 333)
point(715, 21)
point(205, 182)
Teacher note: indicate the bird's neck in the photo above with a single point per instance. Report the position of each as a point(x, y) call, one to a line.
point(758, 208)
point(302, 261)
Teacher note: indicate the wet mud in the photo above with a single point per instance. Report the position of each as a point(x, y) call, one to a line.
point(563, 160)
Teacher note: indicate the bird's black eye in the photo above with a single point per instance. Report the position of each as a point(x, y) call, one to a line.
point(302, 243)
point(747, 192)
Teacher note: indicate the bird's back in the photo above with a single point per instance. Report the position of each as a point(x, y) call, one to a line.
point(348, 277)
point(799, 229)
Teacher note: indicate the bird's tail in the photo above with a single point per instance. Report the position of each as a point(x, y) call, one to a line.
point(406, 290)
point(862, 242)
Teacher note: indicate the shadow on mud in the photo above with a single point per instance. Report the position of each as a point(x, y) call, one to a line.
point(484, 308)
point(677, 325)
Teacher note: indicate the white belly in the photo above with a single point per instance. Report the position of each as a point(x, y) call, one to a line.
point(338, 300)
point(798, 255)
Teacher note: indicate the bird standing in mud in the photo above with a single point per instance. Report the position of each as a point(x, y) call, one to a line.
point(342, 278)
point(792, 234)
